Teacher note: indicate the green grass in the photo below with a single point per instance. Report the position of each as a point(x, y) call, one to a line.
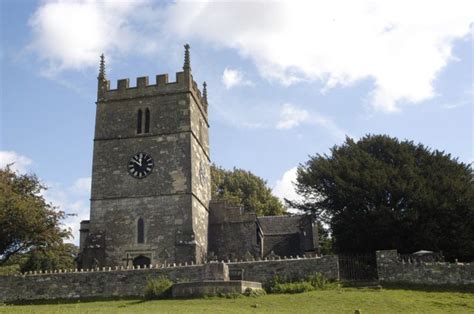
point(343, 300)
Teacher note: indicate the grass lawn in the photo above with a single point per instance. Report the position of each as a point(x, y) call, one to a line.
point(343, 300)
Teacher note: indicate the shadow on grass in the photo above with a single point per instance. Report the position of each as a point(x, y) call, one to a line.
point(361, 284)
point(132, 300)
point(135, 300)
point(429, 288)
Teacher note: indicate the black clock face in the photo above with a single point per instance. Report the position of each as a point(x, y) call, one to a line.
point(140, 165)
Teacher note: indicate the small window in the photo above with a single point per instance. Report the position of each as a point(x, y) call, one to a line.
point(140, 231)
point(139, 121)
point(147, 120)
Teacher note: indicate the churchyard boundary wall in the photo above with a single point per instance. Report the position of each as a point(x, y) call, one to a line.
point(120, 282)
point(392, 270)
point(291, 270)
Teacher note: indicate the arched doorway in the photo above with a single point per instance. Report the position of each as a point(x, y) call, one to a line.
point(141, 261)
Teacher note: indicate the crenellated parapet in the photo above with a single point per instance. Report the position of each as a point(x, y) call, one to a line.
point(184, 83)
point(143, 88)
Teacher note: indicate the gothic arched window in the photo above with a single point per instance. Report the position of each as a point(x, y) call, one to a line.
point(147, 120)
point(140, 231)
point(139, 121)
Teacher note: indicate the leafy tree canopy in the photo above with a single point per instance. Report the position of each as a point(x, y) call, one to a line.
point(60, 256)
point(241, 187)
point(382, 193)
point(27, 221)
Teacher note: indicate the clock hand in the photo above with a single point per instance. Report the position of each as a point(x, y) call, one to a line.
point(138, 163)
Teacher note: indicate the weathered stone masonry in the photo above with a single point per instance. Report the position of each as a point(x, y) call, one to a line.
point(172, 201)
point(292, 269)
point(392, 270)
point(170, 205)
point(127, 283)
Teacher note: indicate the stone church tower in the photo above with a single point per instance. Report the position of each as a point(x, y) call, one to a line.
point(150, 174)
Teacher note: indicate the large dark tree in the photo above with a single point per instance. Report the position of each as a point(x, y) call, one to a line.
point(382, 193)
point(241, 187)
point(27, 221)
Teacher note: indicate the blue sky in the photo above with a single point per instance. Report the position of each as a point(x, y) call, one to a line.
point(285, 79)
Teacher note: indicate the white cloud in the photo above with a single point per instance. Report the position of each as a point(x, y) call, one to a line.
point(285, 187)
point(399, 45)
point(73, 200)
point(18, 162)
point(291, 116)
point(234, 77)
point(327, 123)
point(82, 186)
point(72, 34)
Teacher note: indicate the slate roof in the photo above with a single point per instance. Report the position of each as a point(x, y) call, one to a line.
point(282, 224)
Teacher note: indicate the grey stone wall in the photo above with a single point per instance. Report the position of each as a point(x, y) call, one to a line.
point(283, 245)
point(200, 176)
point(291, 269)
point(168, 226)
point(392, 270)
point(200, 229)
point(212, 288)
point(200, 124)
point(200, 172)
point(232, 233)
point(171, 173)
point(96, 284)
point(287, 235)
point(126, 283)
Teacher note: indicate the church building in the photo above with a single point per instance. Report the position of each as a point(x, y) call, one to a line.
point(151, 190)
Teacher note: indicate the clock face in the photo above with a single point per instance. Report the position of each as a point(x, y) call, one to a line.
point(140, 165)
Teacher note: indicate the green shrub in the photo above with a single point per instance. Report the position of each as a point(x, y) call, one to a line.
point(318, 281)
point(10, 270)
point(274, 281)
point(158, 288)
point(292, 287)
point(315, 281)
point(250, 292)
